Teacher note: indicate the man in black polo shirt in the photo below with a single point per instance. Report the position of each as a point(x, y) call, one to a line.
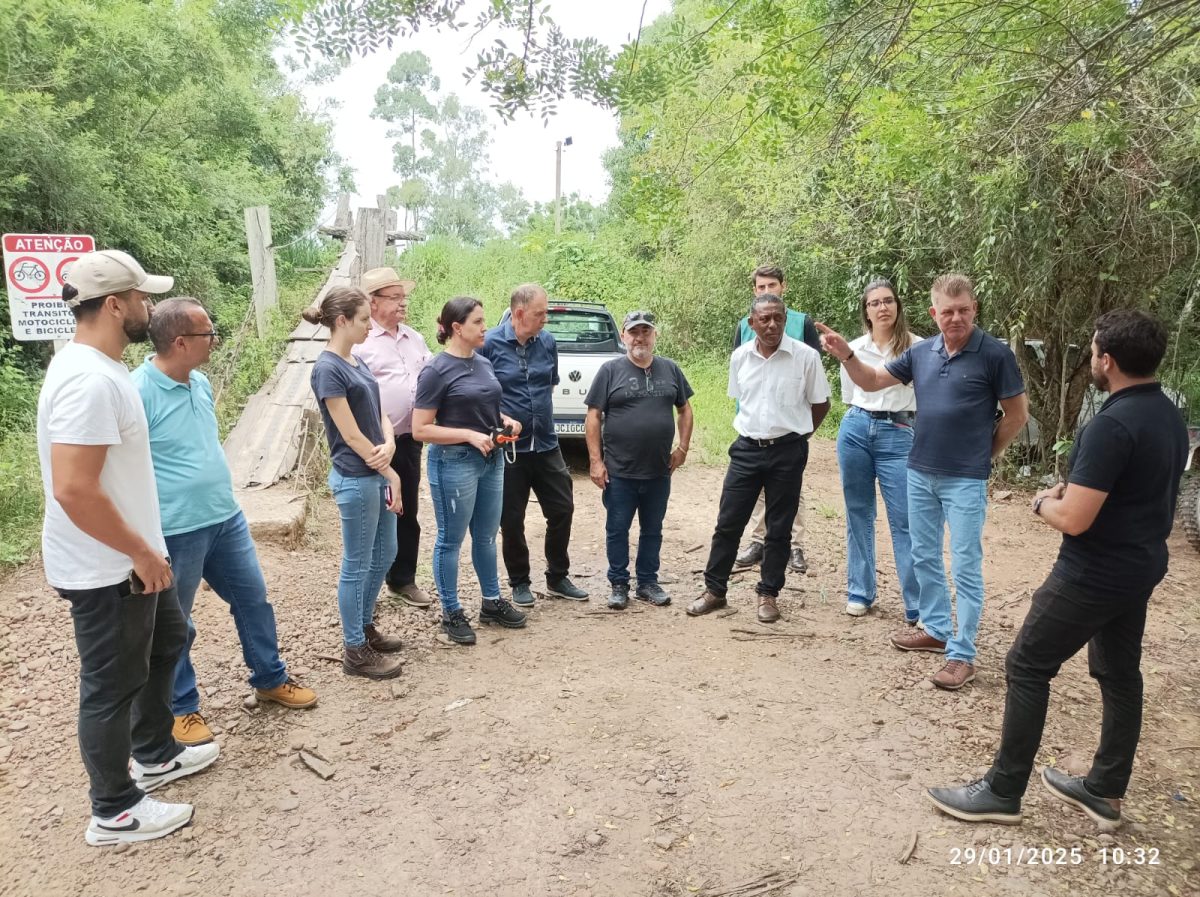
point(1115, 513)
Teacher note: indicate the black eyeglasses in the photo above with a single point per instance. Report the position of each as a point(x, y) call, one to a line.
point(212, 335)
point(522, 358)
point(878, 303)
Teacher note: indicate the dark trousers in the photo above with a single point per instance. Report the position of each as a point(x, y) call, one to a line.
point(546, 474)
point(624, 497)
point(776, 470)
point(1061, 620)
point(128, 647)
point(407, 464)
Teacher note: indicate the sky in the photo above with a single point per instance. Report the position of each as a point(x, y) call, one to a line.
point(522, 150)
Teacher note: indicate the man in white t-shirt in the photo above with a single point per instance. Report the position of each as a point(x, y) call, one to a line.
point(104, 552)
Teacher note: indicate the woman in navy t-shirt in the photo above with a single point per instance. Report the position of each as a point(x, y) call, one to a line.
point(363, 483)
point(456, 410)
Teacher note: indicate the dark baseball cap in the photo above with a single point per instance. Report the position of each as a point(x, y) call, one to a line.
point(637, 318)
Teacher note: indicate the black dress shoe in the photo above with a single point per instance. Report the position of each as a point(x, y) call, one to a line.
point(751, 557)
point(796, 561)
point(976, 802)
point(1074, 790)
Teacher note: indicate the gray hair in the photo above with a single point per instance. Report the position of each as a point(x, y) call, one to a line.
point(526, 293)
point(765, 299)
point(171, 319)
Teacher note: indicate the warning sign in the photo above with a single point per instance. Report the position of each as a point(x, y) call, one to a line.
point(35, 269)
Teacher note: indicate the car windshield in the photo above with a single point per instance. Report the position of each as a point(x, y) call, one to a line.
point(580, 330)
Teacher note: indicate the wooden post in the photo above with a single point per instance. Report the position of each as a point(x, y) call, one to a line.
point(390, 220)
point(370, 241)
point(262, 264)
point(343, 217)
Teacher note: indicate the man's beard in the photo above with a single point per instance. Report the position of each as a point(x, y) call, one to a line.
point(1100, 381)
point(136, 331)
point(641, 353)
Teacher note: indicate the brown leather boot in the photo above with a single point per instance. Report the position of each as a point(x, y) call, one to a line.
point(768, 610)
point(385, 644)
point(363, 660)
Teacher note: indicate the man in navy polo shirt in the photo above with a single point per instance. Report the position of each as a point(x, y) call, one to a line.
point(1115, 513)
point(959, 376)
point(206, 532)
point(525, 359)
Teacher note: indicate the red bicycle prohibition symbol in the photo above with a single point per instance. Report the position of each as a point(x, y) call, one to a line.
point(28, 274)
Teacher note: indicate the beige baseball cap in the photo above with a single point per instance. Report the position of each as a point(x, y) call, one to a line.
point(380, 278)
point(112, 271)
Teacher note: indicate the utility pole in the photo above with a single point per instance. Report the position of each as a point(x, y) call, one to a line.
point(558, 148)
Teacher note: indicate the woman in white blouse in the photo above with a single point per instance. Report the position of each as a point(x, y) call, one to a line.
point(874, 439)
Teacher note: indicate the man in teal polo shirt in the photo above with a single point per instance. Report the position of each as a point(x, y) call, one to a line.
point(205, 530)
point(799, 326)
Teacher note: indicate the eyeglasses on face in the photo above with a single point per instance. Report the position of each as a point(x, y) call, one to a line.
point(212, 335)
point(879, 303)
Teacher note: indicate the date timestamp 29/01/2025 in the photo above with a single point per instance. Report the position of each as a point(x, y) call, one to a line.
point(1052, 856)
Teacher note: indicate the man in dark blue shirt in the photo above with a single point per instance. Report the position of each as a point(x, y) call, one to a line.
point(959, 376)
point(525, 359)
point(1115, 513)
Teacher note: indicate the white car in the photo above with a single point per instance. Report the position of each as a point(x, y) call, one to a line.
point(587, 336)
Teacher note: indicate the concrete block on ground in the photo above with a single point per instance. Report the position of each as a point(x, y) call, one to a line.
point(275, 514)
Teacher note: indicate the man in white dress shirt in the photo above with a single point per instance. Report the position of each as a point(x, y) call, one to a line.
point(782, 398)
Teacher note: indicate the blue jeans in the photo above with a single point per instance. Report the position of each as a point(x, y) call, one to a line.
point(869, 449)
point(223, 554)
point(368, 549)
point(935, 501)
point(468, 493)
point(648, 499)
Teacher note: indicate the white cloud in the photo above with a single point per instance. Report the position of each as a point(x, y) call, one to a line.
point(522, 151)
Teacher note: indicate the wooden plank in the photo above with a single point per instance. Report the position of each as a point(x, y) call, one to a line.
point(343, 218)
point(370, 241)
point(265, 295)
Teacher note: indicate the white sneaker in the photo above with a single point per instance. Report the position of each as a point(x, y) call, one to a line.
point(144, 821)
point(190, 760)
point(857, 608)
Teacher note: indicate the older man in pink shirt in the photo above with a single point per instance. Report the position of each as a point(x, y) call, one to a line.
point(395, 353)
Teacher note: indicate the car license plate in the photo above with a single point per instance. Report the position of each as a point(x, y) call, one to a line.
point(563, 427)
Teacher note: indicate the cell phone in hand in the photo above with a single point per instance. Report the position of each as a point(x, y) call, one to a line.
point(387, 495)
point(136, 586)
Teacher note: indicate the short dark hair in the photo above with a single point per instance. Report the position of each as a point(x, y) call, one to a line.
point(773, 272)
point(85, 309)
point(171, 318)
point(765, 299)
point(1135, 340)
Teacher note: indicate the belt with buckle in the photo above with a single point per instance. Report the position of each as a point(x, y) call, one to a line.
point(900, 417)
point(778, 440)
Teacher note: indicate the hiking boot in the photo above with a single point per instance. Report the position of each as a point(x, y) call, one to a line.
point(497, 610)
point(796, 561)
point(954, 675)
point(768, 610)
point(522, 595)
point(1073, 790)
point(363, 660)
point(144, 821)
point(917, 640)
point(384, 644)
point(291, 695)
point(457, 628)
point(186, 762)
point(750, 556)
point(190, 730)
point(976, 802)
point(412, 595)
point(652, 593)
point(564, 588)
point(857, 608)
point(618, 598)
point(706, 603)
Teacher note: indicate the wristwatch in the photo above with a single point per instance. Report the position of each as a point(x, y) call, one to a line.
point(848, 357)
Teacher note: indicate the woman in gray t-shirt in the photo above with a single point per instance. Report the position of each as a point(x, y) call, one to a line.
point(365, 487)
point(457, 411)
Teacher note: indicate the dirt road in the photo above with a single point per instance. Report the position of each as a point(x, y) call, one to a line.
point(643, 753)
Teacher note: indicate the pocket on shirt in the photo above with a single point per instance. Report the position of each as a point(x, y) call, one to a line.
point(789, 389)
